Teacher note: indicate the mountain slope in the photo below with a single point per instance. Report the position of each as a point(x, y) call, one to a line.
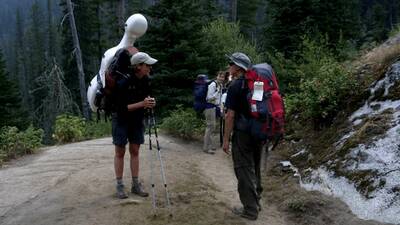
point(358, 158)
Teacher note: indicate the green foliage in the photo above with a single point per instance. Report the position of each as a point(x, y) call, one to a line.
point(324, 83)
point(90, 17)
point(223, 38)
point(395, 31)
point(286, 72)
point(35, 36)
point(97, 129)
point(174, 38)
point(297, 205)
point(69, 128)
point(288, 20)
point(183, 123)
point(246, 14)
point(375, 22)
point(15, 143)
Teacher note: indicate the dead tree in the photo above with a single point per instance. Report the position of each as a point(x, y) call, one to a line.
point(56, 98)
point(78, 57)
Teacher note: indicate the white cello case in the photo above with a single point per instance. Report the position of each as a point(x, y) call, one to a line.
point(135, 27)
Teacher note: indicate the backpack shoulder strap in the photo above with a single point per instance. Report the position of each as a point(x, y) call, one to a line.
point(126, 76)
point(210, 82)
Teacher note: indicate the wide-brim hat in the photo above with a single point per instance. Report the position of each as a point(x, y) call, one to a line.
point(240, 59)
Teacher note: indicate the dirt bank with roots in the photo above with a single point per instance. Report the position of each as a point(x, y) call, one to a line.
point(74, 184)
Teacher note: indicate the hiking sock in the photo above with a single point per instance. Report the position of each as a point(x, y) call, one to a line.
point(119, 181)
point(135, 181)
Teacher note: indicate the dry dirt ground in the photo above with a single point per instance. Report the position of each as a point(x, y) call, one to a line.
point(74, 184)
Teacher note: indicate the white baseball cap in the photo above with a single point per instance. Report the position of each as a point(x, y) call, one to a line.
point(142, 57)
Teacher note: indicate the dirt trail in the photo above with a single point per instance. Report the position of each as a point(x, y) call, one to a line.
point(74, 184)
point(219, 169)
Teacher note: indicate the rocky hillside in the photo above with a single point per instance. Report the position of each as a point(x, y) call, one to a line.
point(357, 159)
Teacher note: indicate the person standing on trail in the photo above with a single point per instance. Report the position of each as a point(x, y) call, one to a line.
point(212, 112)
point(246, 150)
point(132, 98)
point(135, 27)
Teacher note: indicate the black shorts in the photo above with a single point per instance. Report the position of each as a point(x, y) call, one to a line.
point(123, 131)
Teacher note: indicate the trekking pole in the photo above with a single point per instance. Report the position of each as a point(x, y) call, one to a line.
point(153, 195)
point(264, 155)
point(161, 164)
point(221, 114)
point(221, 131)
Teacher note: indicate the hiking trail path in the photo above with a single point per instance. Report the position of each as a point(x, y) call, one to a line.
point(74, 183)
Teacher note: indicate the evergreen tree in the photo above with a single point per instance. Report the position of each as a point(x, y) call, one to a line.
point(134, 6)
point(21, 62)
point(113, 29)
point(288, 21)
point(35, 55)
point(87, 23)
point(174, 38)
point(52, 35)
point(10, 101)
point(378, 30)
point(36, 49)
point(246, 15)
point(221, 38)
point(379, 17)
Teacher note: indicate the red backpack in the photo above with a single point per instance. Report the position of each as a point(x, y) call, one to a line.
point(268, 114)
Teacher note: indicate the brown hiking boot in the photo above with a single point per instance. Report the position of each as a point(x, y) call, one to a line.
point(138, 190)
point(120, 192)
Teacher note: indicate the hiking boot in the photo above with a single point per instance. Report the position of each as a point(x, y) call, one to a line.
point(121, 192)
point(242, 213)
point(138, 190)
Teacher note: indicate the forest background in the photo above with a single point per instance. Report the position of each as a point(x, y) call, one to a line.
point(309, 43)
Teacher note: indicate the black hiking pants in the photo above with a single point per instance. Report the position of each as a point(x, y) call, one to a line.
point(246, 155)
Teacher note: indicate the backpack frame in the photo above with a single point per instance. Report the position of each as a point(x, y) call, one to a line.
point(267, 117)
point(200, 94)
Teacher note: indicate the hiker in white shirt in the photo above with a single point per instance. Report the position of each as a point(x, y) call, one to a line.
point(214, 94)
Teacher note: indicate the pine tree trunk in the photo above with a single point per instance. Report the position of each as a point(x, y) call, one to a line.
point(50, 32)
point(99, 35)
point(21, 63)
point(234, 10)
point(391, 14)
point(121, 16)
point(78, 57)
